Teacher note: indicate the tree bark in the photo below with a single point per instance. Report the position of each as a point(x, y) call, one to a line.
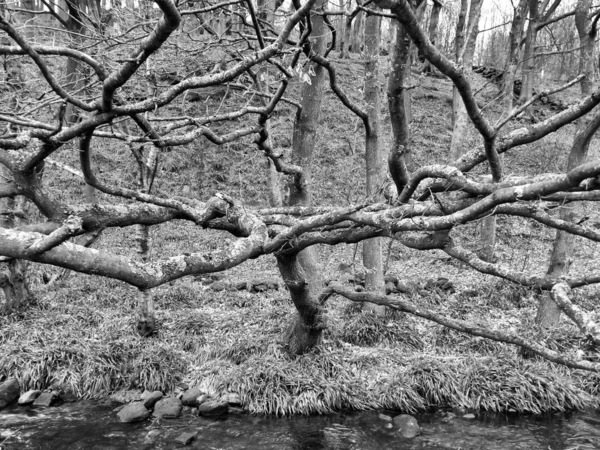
point(529, 53)
point(399, 158)
point(13, 274)
point(372, 259)
point(301, 271)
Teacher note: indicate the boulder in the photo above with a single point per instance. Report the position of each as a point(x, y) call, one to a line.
point(28, 397)
point(213, 408)
point(190, 397)
point(407, 425)
point(152, 398)
point(46, 399)
point(185, 438)
point(232, 398)
point(9, 392)
point(133, 412)
point(168, 408)
point(390, 288)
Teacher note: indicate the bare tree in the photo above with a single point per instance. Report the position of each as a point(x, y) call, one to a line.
point(422, 217)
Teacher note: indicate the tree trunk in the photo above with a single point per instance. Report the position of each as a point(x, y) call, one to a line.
point(13, 274)
point(488, 231)
point(434, 21)
point(301, 272)
point(466, 37)
point(529, 53)
point(358, 34)
point(372, 259)
point(548, 313)
point(399, 158)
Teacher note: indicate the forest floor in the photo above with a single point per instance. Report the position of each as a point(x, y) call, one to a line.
point(81, 334)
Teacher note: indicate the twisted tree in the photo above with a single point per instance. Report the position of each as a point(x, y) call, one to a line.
point(123, 105)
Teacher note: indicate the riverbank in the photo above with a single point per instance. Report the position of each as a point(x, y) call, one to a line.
point(80, 338)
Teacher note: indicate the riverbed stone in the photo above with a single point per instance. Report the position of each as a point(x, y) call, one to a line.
point(407, 425)
point(232, 398)
point(469, 416)
point(29, 397)
point(152, 398)
point(46, 399)
point(185, 438)
point(213, 408)
point(168, 408)
point(190, 397)
point(385, 417)
point(133, 412)
point(9, 392)
point(127, 396)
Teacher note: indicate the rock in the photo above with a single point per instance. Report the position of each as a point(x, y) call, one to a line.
point(235, 410)
point(46, 399)
point(152, 398)
point(424, 293)
point(359, 288)
point(218, 286)
point(185, 438)
point(385, 417)
point(390, 288)
point(203, 398)
point(404, 288)
point(469, 293)
point(213, 408)
point(133, 412)
point(168, 408)
point(9, 392)
point(126, 396)
point(407, 425)
point(151, 436)
point(469, 416)
point(232, 398)
point(389, 278)
point(190, 397)
point(67, 396)
point(28, 397)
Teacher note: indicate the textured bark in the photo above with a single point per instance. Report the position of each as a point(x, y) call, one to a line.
point(302, 277)
point(548, 313)
point(399, 157)
point(358, 32)
point(529, 52)
point(372, 259)
point(13, 274)
point(300, 271)
point(434, 22)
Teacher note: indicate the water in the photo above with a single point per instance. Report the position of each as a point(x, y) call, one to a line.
point(94, 425)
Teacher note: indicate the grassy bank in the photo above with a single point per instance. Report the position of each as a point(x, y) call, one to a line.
point(81, 336)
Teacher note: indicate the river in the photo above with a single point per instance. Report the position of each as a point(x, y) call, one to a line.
point(94, 425)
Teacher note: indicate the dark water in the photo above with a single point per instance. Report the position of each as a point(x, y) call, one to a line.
point(89, 425)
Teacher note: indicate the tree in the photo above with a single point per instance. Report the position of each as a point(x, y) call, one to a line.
point(422, 217)
point(372, 259)
point(548, 313)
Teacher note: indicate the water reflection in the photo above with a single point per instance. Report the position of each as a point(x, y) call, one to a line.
point(90, 425)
